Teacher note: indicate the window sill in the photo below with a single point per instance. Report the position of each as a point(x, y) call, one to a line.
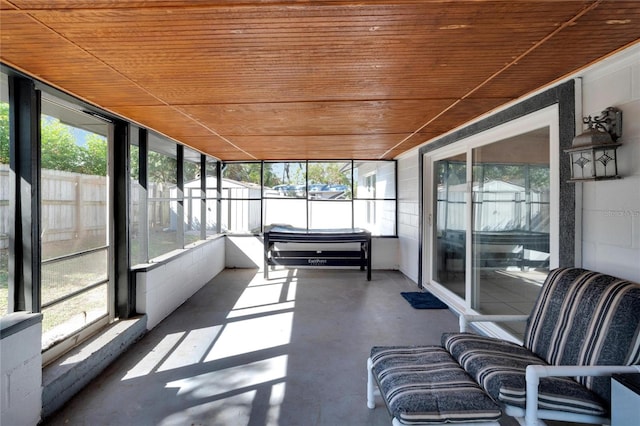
point(17, 321)
point(167, 257)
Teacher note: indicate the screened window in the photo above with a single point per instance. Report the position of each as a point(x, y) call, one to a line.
point(137, 204)
point(162, 193)
point(4, 194)
point(193, 196)
point(212, 197)
point(329, 191)
point(285, 194)
point(174, 196)
point(241, 198)
point(310, 195)
point(375, 196)
point(74, 221)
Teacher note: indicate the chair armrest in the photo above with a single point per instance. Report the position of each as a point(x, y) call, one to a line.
point(465, 319)
point(579, 370)
point(535, 372)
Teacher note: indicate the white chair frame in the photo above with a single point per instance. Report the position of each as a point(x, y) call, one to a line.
point(532, 416)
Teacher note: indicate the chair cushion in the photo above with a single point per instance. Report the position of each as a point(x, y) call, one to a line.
point(586, 318)
point(424, 385)
point(499, 367)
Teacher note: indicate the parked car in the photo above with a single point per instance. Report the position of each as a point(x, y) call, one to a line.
point(286, 190)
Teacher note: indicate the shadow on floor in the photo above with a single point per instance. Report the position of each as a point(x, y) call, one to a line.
point(290, 350)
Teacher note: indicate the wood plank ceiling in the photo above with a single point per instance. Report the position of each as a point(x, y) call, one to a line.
point(284, 80)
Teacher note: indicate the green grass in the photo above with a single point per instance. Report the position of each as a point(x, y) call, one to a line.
point(62, 278)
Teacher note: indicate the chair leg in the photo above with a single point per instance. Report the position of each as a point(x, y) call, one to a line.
point(371, 385)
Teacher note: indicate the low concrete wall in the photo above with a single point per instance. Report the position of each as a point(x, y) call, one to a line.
point(163, 286)
point(160, 289)
point(20, 369)
point(67, 375)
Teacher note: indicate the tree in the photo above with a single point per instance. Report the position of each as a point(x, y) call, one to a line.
point(95, 155)
point(4, 133)
point(328, 173)
point(59, 150)
point(58, 147)
point(242, 172)
point(161, 169)
point(191, 171)
point(270, 178)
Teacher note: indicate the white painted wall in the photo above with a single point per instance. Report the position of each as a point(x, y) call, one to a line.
point(408, 214)
point(244, 251)
point(21, 370)
point(611, 209)
point(160, 290)
point(385, 254)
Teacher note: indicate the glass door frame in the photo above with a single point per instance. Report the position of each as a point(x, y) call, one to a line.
point(546, 117)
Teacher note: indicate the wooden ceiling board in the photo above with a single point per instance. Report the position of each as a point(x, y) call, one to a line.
point(300, 147)
point(180, 127)
point(602, 29)
point(319, 118)
point(240, 56)
point(457, 115)
point(176, 122)
point(278, 79)
point(41, 53)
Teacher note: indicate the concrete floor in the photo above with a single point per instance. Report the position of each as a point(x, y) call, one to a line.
point(247, 351)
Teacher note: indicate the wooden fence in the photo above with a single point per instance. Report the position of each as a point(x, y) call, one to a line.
point(74, 206)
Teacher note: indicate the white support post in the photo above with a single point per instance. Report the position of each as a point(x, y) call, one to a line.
point(533, 381)
point(371, 402)
point(462, 321)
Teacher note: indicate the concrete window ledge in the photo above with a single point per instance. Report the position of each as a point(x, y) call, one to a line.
point(15, 322)
point(68, 374)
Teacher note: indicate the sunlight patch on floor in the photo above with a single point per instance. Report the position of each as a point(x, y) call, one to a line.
point(262, 297)
point(258, 296)
point(251, 335)
point(261, 319)
point(149, 363)
point(232, 381)
point(192, 349)
point(265, 309)
point(230, 396)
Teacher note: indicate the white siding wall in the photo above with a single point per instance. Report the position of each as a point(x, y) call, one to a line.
point(611, 209)
point(408, 219)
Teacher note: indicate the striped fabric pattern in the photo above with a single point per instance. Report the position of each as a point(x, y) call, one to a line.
point(580, 318)
point(499, 367)
point(586, 318)
point(424, 385)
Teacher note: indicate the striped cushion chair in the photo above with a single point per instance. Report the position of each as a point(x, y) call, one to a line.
point(424, 385)
point(584, 326)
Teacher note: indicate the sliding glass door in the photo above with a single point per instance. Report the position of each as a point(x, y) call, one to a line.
point(492, 219)
point(511, 217)
point(450, 213)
